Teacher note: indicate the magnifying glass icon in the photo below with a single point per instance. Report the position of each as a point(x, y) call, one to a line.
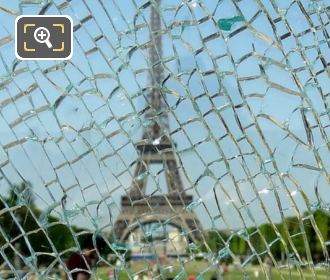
point(41, 35)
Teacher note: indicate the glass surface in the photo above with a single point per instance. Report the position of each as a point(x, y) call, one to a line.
point(184, 138)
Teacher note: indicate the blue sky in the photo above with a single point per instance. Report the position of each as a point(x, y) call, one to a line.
point(101, 123)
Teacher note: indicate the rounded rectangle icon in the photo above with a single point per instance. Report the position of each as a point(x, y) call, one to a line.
point(43, 37)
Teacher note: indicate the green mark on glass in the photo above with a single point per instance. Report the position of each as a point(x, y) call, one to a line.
point(227, 23)
point(182, 28)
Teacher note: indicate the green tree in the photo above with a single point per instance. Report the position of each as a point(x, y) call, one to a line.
point(322, 221)
point(238, 245)
point(19, 225)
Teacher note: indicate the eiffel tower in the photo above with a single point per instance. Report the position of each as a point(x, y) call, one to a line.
point(156, 147)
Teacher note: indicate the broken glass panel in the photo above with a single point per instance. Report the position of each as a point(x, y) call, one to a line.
point(184, 139)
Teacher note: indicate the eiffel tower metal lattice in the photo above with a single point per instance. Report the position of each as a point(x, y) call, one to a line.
point(156, 147)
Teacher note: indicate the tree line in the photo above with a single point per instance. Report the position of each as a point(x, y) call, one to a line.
point(295, 240)
point(22, 231)
point(41, 238)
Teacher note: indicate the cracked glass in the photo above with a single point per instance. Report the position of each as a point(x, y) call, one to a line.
point(184, 139)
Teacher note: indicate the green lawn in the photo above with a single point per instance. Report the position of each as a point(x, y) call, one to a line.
point(201, 271)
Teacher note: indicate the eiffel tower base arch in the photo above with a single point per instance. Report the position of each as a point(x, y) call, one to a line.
point(165, 210)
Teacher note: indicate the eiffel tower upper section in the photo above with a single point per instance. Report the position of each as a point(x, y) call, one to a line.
point(156, 146)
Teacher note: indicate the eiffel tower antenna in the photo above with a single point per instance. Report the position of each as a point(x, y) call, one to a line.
point(156, 148)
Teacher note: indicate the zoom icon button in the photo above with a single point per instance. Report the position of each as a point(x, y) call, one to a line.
point(43, 37)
